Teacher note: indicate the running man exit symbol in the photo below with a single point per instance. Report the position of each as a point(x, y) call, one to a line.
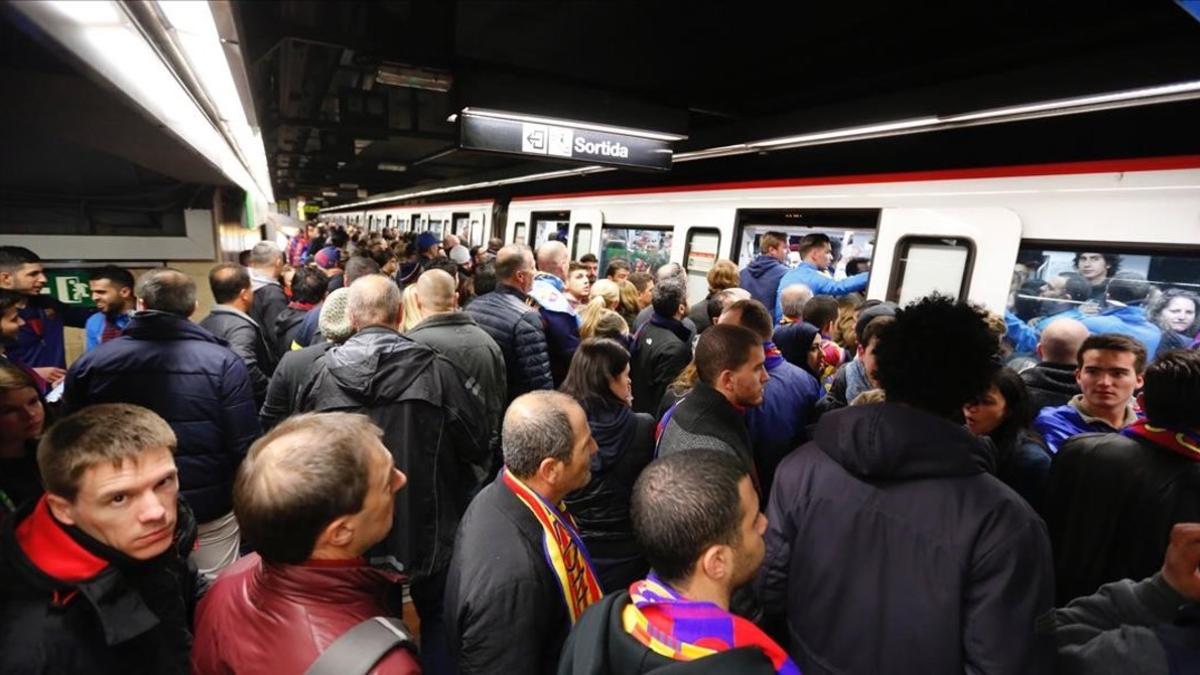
point(73, 289)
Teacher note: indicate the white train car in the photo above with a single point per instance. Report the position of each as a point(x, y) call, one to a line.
point(471, 221)
point(958, 232)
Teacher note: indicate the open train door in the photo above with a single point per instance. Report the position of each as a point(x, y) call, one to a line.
point(965, 253)
point(585, 228)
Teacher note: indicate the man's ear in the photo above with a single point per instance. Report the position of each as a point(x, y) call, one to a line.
point(193, 309)
point(550, 470)
point(63, 510)
point(716, 562)
point(337, 534)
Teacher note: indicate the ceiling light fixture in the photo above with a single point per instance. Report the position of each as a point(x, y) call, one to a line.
point(414, 77)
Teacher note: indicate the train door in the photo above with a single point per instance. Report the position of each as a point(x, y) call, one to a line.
point(583, 223)
point(964, 253)
point(460, 226)
point(549, 225)
point(852, 233)
point(700, 252)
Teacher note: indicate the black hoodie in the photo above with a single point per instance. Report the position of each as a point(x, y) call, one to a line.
point(432, 424)
point(1050, 384)
point(890, 549)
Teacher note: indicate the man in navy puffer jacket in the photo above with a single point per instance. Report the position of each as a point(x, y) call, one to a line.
point(193, 381)
point(511, 318)
point(761, 277)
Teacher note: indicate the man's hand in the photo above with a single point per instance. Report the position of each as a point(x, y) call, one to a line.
point(51, 374)
point(1183, 556)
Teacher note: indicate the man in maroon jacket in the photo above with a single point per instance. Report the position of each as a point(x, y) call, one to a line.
point(312, 496)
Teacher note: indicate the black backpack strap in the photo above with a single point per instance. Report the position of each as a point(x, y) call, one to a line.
point(358, 650)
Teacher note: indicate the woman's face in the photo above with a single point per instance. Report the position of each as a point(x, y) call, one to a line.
point(814, 355)
point(622, 386)
point(984, 415)
point(21, 414)
point(1179, 314)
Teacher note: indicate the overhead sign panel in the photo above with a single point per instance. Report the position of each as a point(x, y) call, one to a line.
point(563, 141)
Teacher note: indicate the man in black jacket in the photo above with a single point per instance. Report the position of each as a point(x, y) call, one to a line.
point(1113, 498)
point(697, 518)
point(456, 336)
point(266, 264)
point(230, 320)
point(662, 347)
point(731, 367)
point(1052, 381)
point(308, 291)
point(511, 317)
point(890, 548)
point(94, 575)
point(431, 425)
point(506, 608)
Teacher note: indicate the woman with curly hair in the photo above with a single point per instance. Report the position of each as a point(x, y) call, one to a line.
point(1177, 313)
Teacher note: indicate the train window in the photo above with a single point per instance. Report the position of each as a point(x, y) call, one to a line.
point(644, 247)
point(476, 233)
point(519, 233)
point(435, 226)
point(927, 265)
point(851, 231)
point(583, 240)
point(549, 225)
point(461, 224)
point(699, 255)
point(1152, 295)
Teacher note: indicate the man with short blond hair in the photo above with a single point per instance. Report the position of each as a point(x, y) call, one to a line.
point(93, 575)
point(313, 496)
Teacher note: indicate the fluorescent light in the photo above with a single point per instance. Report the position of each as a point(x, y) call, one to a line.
point(606, 128)
point(412, 77)
point(392, 166)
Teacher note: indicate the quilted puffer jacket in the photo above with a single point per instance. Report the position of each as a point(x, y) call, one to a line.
point(516, 326)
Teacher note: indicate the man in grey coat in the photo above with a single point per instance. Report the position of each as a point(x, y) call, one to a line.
point(455, 335)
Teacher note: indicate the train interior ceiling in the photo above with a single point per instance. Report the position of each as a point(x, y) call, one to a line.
point(354, 106)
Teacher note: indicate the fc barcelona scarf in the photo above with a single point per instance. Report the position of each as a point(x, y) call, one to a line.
point(686, 630)
point(1186, 443)
point(774, 356)
point(565, 552)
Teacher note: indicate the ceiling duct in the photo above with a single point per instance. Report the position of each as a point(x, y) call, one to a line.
point(413, 77)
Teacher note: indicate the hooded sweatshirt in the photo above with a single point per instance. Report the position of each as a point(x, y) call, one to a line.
point(761, 278)
point(1050, 384)
point(891, 549)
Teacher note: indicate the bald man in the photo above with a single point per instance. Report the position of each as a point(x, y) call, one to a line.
point(431, 425)
point(1052, 381)
point(455, 335)
point(559, 317)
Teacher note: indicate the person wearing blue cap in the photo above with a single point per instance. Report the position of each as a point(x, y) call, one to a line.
point(429, 247)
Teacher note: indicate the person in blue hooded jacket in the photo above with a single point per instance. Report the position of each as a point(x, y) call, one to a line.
point(761, 277)
point(1125, 315)
point(558, 317)
point(816, 257)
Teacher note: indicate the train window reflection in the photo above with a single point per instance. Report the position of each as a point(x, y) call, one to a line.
point(1151, 296)
point(644, 248)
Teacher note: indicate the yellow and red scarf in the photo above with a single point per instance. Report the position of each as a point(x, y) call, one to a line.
point(564, 549)
point(1184, 442)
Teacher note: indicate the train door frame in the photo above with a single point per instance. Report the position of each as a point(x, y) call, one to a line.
point(558, 215)
point(689, 232)
point(593, 219)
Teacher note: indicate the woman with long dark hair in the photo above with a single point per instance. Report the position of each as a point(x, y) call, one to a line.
point(1004, 414)
point(599, 379)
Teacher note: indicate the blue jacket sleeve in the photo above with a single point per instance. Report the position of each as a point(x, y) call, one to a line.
point(92, 331)
point(1022, 336)
point(239, 415)
point(1054, 430)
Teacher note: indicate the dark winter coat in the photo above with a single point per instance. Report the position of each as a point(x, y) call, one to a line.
point(698, 313)
point(1050, 384)
point(1110, 506)
point(661, 350)
point(431, 425)
point(263, 619)
point(600, 645)
point(778, 424)
point(704, 419)
point(966, 571)
point(761, 278)
point(504, 609)
point(292, 372)
point(247, 340)
point(1023, 463)
point(456, 336)
point(193, 381)
point(517, 329)
point(269, 301)
point(70, 604)
point(287, 326)
point(601, 509)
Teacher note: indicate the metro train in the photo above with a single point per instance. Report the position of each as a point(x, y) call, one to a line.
point(961, 232)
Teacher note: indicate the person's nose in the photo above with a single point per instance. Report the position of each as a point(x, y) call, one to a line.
point(152, 508)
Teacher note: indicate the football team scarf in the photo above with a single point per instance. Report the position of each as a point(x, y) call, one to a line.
point(774, 356)
point(686, 630)
point(1186, 443)
point(564, 549)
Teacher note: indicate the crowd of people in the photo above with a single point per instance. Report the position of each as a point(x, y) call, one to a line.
point(573, 470)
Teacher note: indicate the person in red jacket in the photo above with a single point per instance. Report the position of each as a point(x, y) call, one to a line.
point(312, 496)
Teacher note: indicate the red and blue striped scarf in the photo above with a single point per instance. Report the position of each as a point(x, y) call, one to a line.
point(686, 630)
point(1186, 443)
point(564, 549)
